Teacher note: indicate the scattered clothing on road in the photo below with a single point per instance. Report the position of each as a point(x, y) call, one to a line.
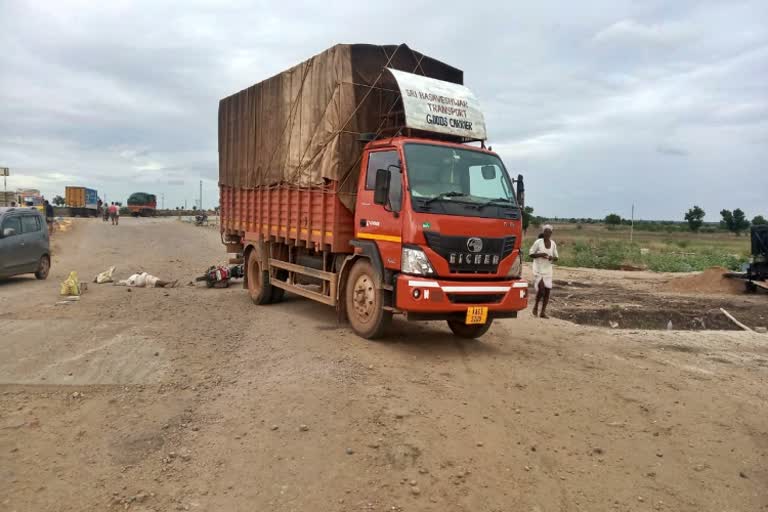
point(145, 280)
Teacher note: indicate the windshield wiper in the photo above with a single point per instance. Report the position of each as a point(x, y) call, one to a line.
point(450, 193)
point(492, 201)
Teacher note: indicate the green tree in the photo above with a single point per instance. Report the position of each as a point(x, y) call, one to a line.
point(613, 219)
point(58, 201)
point(759, 220)
point(527, 215)
point(695, 218)
point(734, 221)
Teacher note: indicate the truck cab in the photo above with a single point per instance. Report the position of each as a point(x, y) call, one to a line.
point(446, 224)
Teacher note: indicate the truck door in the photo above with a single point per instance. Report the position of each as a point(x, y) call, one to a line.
point(381, 223)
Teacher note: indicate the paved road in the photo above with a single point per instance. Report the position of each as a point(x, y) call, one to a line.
point(194, 399)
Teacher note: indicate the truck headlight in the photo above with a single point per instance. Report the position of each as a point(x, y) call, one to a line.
point(414, 261)
point(517, 267)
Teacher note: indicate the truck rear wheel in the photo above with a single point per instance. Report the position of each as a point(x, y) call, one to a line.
point(258, 281)
point(469, 332)
point(364, 301)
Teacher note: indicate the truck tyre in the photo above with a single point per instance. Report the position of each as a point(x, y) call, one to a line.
point(364, 301)
point(469, 332)
point(258, 281)
point(43, 267)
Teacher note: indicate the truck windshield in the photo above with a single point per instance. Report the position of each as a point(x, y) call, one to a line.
point(445, 174)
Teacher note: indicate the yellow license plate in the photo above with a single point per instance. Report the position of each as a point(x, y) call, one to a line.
point(477, 315)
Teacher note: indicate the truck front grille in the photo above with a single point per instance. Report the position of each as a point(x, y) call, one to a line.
point(471, 255)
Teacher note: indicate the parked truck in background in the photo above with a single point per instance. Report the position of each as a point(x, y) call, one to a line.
point(81, 201)
point(31, 197)
point(142, 204)
point(360, 178)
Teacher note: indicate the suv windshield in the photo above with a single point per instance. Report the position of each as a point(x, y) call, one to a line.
point(445, 174)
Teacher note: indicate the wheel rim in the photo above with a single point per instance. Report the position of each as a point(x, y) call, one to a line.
point(364, 298)
point(254, 277)
point(45, 266)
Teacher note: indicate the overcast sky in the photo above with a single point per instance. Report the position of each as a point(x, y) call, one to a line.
point(599, 104)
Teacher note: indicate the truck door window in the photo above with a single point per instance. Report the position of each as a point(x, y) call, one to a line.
point(30, 223)
point(379, 160)
point(395, 189)
point(13, 223)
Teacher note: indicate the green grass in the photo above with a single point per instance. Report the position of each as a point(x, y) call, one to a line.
point(595, 246)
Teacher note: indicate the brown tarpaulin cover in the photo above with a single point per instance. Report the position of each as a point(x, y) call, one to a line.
point(301, 127)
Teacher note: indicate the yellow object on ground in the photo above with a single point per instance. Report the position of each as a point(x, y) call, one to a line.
point(71, 285)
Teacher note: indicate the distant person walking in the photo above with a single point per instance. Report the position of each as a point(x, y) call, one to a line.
point(117, 214)
point(113, 213)
point(49, 216)
point(105, 212)
point(544, 254)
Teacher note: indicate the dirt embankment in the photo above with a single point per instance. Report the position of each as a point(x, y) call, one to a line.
point(712, 281)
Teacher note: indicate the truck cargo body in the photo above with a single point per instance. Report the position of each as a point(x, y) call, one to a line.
point(369, 227)
point(81, 201)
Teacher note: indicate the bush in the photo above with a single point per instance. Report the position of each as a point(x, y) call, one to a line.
point(613, 254)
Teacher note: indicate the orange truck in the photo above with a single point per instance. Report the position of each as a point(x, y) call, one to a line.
point(360, 178)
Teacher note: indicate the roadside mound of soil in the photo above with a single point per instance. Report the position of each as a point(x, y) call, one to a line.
point(711, 280)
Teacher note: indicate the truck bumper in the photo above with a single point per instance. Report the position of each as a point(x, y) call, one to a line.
point(436, 299)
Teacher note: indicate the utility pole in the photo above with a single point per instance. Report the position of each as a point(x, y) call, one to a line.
point(185, 204)
point(201, 194)
point(632, 224)
point(162, 200)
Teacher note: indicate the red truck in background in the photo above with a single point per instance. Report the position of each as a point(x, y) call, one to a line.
point(360, 179)
point(141, 204)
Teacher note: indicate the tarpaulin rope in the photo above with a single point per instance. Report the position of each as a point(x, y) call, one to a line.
point(351, 116)
point(291, 117)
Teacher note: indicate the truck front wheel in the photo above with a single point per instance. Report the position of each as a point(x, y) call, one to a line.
point(365, 302)
point(469, 332)
point(258, 281)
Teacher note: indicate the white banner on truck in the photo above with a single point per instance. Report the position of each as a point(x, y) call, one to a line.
point(438, 106)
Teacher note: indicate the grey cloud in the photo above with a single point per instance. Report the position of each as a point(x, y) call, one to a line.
point(666, 149)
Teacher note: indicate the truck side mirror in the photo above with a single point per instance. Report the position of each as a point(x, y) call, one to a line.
point(520, 191)
point(381, 188)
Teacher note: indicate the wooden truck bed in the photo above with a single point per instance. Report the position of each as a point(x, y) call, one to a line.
point(288, 214)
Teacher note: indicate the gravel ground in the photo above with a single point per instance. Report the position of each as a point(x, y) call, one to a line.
point(195, 399)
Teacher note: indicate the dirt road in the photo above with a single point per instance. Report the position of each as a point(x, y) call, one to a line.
point(195, 399)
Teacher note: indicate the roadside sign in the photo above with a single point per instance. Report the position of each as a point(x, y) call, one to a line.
point(4, 171)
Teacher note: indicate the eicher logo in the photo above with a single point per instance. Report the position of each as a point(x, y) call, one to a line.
point(474, 244)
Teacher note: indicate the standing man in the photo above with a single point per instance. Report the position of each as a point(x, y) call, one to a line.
point(49, 216)
point(112, 212)
point(117, 214)
point(544, 254)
